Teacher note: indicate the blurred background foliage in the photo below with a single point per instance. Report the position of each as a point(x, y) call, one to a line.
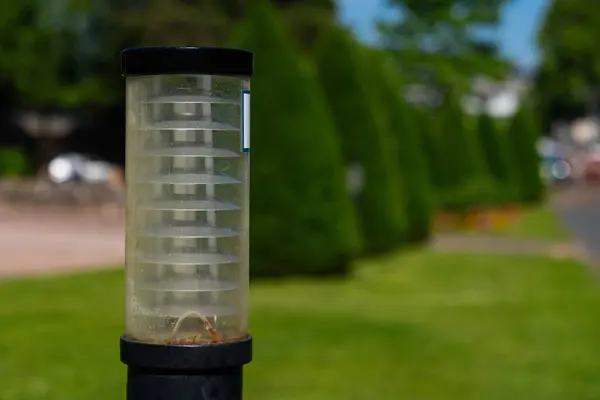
point(354, 164)
point(435, 40)
point(568, 77)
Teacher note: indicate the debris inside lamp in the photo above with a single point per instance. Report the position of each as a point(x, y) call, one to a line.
point(195, 339)
point(198, 339)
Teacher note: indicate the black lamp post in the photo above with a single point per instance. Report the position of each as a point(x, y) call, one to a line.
point(187, 180)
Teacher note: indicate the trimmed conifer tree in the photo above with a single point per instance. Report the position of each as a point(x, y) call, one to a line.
point(459, 154)
point(302, 220)
point(427, 124)
point(467, 182)
point(497, 157)
point(413, 169)
point(360, 125)
point(523, 134)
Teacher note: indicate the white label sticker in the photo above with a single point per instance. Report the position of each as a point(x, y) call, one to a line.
point(245, 121)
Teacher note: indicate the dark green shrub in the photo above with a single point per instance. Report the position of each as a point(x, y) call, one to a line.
point(413, 168)
point(470, 195)
point(361, 127)
point(523, 134)
point(13, 162)
point(302, 220)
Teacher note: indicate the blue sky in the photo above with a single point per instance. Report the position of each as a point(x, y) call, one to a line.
point(517, 33)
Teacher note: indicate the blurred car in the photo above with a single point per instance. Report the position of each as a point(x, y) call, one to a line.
point(591, 173)
point(75, 167)
point(556, 170)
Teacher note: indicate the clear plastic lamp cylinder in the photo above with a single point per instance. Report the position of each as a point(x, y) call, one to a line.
point(187, 208)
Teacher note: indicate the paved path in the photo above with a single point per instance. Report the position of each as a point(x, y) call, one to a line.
point(34, 242)
point(577, 207)
point(482, 243)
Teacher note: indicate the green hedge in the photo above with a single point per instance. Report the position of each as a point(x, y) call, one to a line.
point(413, 168)
point(360, 124)
point(302, 219)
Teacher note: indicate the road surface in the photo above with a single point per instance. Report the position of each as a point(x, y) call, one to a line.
point(579, 210)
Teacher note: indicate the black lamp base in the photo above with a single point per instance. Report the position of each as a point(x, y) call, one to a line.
point(185, 372)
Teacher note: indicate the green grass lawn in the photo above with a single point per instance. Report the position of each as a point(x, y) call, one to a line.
point(420, 326)
point(538, 222)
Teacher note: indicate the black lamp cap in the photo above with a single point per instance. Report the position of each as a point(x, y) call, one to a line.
point(186, 60)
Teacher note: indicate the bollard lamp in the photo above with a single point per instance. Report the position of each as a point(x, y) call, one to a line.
point(187, 219)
